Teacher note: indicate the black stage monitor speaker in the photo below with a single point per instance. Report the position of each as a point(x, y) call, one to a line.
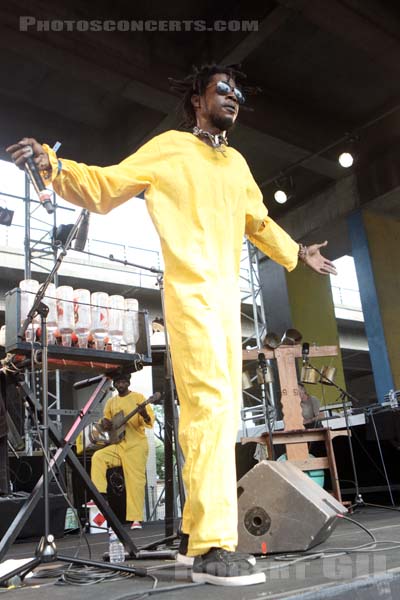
point(282, 510)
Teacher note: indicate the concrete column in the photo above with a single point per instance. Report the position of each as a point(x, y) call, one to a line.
point(375, 245)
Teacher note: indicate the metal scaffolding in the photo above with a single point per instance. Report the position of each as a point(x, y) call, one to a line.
point(40, 255)
point(259, 404)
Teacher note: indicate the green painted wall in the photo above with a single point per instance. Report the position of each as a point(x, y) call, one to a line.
point(384, 243)
point(313, 315)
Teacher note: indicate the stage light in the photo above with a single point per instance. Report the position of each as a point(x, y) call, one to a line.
point(348, 151)
point(6, 216)
point(346, 160)
point(280, 196)
point(284, 189)
point(61, 233)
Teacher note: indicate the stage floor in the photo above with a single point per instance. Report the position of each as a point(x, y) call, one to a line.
point(362, 575)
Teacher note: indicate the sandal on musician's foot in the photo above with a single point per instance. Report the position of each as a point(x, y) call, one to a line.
point(220, 567)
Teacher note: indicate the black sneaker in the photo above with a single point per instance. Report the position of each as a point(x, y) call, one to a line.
point(188, 561)
point(221, 567)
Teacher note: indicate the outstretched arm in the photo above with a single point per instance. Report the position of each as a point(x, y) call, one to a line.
point(271, 239)
point(99, 189)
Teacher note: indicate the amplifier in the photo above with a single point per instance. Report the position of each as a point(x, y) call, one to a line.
point(282, 510)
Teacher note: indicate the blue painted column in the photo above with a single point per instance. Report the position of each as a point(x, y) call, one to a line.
point(371, 305)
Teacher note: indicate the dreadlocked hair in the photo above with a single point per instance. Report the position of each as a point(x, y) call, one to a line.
point(197, 82)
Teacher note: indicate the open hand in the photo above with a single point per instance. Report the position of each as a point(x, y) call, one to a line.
point(318, 263)
point(25, 148)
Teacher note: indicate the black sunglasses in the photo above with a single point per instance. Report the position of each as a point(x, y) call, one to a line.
point(223, 88)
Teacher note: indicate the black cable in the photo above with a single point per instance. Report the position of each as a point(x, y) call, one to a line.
point(90, 576)
point(368, 531)
point(353, 548)
point(335, 550)
point(17, 474)
point(48, 573)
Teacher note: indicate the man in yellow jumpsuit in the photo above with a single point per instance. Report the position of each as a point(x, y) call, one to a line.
point(131, 453)
point(202, 199)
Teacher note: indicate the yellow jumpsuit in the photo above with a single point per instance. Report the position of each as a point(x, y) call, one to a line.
point(131, 453)
point(202, 202)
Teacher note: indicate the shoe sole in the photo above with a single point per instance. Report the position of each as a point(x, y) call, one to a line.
point(253, 579)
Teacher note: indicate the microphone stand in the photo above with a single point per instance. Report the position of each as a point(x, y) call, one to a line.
point(126, 263)
point(358, 500)
point(262, 363)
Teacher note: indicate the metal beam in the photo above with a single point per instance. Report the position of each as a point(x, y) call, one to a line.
point(345, 23)
point(291, 153)
point(159, 100)
point(252, 41)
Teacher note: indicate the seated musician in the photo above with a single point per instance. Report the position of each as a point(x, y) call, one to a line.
point(130, 453)
point(310, 409)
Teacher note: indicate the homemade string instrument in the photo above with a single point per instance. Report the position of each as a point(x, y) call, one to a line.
point(96, 436)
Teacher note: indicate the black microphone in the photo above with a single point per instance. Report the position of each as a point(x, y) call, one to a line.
point(82, 233)
point(38, 184)
point(305, 351)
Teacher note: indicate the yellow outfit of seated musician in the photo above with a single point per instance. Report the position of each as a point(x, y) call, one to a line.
point(131, 453)
point(202, 202)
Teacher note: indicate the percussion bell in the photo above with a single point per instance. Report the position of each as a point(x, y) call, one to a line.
point(265, 375)
point(246, 380)
point(328, 375)
point(272, 341)
point(309, 375)
point(291, 337)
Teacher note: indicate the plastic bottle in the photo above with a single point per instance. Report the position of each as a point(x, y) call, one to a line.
point(116, 550)
point(393, 399)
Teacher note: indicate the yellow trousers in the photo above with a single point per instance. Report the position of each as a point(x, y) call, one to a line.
point(206, 355)
point(133, 461)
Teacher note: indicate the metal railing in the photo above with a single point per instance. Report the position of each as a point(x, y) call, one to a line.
point(344, 297)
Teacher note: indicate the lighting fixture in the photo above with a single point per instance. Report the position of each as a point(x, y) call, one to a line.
point(284, 189)
point(6, 216)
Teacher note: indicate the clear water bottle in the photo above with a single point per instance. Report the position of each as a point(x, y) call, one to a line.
point(393, 399)
point(116, 550)
point(99, 311)
point(51, 300)
point(65, 313)
point(82, 316)
point(116, 315)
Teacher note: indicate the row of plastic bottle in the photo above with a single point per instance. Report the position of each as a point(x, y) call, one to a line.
point(80, 317)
